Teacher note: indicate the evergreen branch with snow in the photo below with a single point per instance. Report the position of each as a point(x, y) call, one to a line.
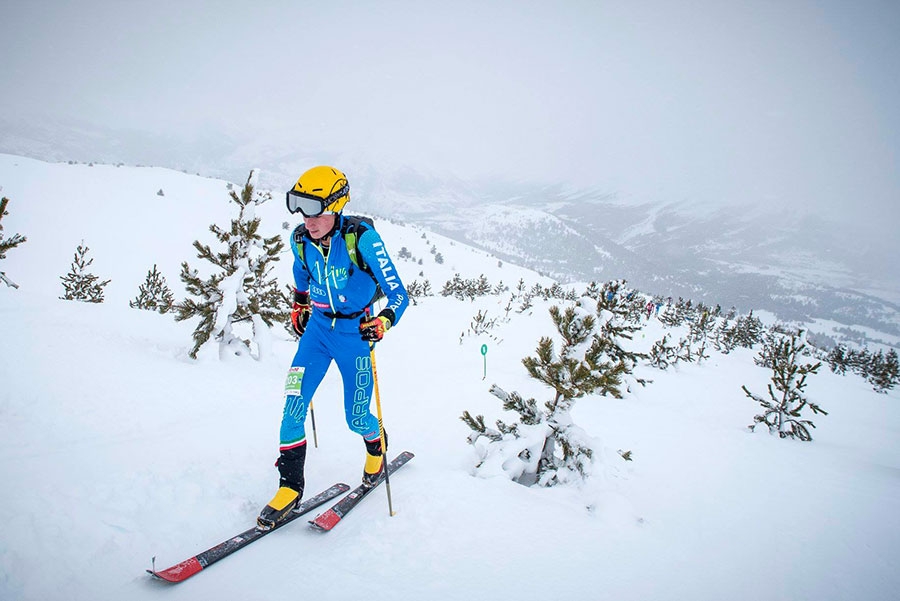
point(7, 244)
point(782, 411)
point(79, 284)
point(154, 294)
point(544, 446)
point(243, 289)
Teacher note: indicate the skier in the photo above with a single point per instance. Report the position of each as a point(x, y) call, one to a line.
point(340, 267)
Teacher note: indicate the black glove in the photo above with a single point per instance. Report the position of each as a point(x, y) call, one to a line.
point(300, 312)
point(372, 330)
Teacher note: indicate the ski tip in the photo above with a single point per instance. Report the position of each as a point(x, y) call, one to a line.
point(178, 572)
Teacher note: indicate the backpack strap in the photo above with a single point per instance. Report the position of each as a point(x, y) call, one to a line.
point(354, 227)
point(297, 235)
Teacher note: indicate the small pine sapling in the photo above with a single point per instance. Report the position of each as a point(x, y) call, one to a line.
point(838, 359)
point(662, 355)
point(884, 371)
point(243, 289)
point(782, 411)
point(8, 243)
point(154, 294)
point(79, 284)
point(480, 324)
point(615, 326)
point(544, 446)
point(416, 290)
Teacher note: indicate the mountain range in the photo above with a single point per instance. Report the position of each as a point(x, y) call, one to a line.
point(799, 265)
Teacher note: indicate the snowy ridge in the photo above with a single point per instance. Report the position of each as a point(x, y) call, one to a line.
point(677, 247)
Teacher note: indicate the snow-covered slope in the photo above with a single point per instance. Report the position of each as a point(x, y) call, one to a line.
point(116, 448)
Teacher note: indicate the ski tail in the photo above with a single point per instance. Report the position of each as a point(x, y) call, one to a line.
point(330, 518)
point(187, 568)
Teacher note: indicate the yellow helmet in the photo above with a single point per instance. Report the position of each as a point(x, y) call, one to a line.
point(318, 190)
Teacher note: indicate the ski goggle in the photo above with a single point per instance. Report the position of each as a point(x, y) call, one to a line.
point(313, 206)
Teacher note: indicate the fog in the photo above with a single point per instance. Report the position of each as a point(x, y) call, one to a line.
point(787, 103)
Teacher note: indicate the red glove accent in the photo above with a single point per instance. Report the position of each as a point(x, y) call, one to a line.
point(300, 312)
point(373, 330)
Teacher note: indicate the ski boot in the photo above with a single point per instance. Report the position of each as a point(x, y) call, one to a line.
point(374, 468)
point(284, 501)
point(290, 466)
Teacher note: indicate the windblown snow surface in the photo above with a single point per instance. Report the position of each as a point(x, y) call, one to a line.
point(115, 447)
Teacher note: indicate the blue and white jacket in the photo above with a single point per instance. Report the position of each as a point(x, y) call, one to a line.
point(339, 289)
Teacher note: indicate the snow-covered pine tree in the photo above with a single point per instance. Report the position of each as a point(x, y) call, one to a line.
point(8, 243)
point(241, 293)
point(884, 371)
point(481, 286)
point(454, 287)
point(616, 323)
point(545, 447)
point(783, 410)
point(480, 324)
point(417, 290)
point(524, 297)
point(662, 354)
point(79, 285)
point(838, 359)
point(154, 294)
point(703, 326)
point(748, 331)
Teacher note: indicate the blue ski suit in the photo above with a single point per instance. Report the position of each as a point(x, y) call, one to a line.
point(339, 292)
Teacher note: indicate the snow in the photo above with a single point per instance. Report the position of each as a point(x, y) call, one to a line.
point(116, 447)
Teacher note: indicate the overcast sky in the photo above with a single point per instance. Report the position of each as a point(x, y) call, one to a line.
point(781, 101)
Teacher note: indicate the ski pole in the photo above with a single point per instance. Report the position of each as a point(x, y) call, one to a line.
point(312, 414)
point(387, 480)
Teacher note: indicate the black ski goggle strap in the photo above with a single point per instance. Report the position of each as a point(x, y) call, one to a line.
point(313, 206)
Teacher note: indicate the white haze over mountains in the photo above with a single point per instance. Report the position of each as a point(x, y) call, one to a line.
point(742, 152)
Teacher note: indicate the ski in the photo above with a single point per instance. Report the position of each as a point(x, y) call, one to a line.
point(328, 519)
point(187, 568)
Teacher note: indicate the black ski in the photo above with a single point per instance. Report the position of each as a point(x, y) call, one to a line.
point(328, 519)
point(187, 568)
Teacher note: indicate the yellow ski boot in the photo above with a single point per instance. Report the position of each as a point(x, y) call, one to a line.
point(290, 466)
point(374, 463)
point(284, 501)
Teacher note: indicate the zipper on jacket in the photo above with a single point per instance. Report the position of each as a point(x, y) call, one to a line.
point(324, 276)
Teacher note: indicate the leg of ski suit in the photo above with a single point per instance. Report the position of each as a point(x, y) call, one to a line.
point(320, 345)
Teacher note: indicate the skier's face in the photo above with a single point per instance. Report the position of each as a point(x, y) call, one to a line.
point(320, 225)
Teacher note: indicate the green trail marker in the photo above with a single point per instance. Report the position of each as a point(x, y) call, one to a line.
point(484, 354)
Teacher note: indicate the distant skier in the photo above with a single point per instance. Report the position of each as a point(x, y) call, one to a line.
point(340, 263)
point(649, 309)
